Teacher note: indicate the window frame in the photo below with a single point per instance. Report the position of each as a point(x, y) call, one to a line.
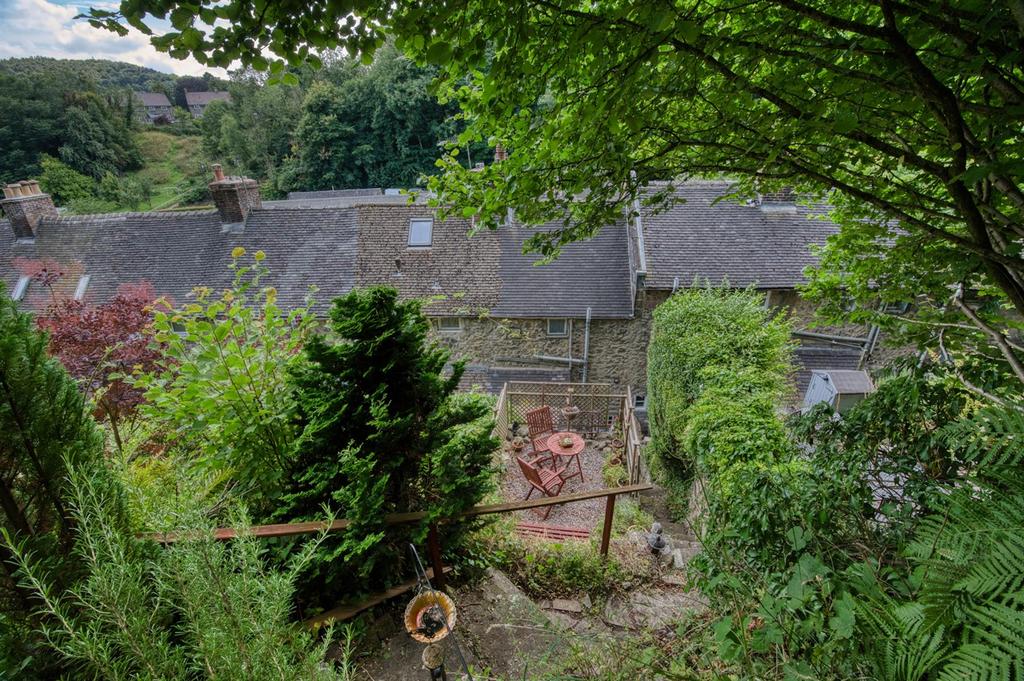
point(565, 327)
point(441, 329)
point(640, 402)
point(430, 233)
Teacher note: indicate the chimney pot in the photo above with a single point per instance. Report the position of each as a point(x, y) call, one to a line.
point(26, 206)
point(218, 172)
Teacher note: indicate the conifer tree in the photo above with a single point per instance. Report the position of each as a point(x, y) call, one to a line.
point(382, 431)
point(44, 427)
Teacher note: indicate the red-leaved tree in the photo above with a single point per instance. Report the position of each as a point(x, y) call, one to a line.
point(101, 344)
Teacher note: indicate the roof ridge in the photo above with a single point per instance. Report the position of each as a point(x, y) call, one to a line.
point(119, 217)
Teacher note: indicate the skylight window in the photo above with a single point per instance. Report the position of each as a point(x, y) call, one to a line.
point(83, 284)
point(21, 287)
point(421, 232)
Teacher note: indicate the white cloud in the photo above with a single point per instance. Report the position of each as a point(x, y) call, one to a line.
point(47, 28)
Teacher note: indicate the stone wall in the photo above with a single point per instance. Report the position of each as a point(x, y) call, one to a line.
point(618, 347)
point(455, 275)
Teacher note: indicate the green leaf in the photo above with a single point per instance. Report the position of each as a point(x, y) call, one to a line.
point(439, 52)
point(842, 623)
point(844, 121)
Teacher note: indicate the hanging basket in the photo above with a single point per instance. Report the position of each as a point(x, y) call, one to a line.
point(418, 607)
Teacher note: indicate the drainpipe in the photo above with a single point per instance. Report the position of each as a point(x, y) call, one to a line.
point(850, 340)
point(586, 346)
point(570, 349)
point(675, 284)
point(869, 346)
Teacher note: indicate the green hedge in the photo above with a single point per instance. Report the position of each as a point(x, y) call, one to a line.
point(717, 366)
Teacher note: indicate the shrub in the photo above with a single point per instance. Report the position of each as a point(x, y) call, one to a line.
point(382, 431)
point(44, 429)
point(220, 389)
point(100, 345)
point(143, 611)
point(63, 183)
point(709, 339)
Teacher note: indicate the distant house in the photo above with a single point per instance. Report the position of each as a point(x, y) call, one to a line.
point(586, 316)
point(198, 101)
point(154, 106)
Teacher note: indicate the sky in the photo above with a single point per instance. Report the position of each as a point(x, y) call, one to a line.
point(47, 28)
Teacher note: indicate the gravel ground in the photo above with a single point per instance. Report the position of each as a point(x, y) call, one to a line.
point(586, 514)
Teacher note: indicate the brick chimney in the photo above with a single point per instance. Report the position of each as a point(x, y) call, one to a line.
point(782, 201)
point(25, 205)
point(499, 153)
point(235, 197)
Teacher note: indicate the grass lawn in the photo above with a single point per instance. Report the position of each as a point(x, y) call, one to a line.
point(167, 160)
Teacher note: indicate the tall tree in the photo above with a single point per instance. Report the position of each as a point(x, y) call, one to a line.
point(379, 127)
point(902, 112)
point(96, 140)
point(382, 432)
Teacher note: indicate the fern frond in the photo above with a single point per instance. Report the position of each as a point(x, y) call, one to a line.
point(992, 437)
point(906, 647)
point(975, 662)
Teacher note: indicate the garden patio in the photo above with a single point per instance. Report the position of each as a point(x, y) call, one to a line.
point(602, 416)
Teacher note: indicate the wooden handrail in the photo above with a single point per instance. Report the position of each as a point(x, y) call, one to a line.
point(315, 526)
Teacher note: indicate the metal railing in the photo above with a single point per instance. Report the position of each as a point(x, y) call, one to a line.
point(438, 570)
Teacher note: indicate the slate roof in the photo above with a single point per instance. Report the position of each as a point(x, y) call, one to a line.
point(593, 273)
point(204, 98)
point(491, 379)
point(176, 251)
point(809, 358)
point(707, 242)
point(152, 99)
point(336, 193)
point(848, 382)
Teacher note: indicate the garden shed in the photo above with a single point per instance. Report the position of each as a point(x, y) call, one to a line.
point(840, 388)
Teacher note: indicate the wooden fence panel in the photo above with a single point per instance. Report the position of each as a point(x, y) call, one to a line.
point(598, 403)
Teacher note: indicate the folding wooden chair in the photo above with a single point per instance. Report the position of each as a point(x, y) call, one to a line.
point(541, 426)
point(547, 482)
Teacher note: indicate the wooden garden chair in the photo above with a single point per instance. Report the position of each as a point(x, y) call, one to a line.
point(541, 426)
point(547, 482)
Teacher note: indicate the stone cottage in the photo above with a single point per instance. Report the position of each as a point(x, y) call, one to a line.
point(586, 316)
point(154, 107)
point(198, 101)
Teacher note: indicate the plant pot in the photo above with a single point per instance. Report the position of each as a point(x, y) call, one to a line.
point(617, 444)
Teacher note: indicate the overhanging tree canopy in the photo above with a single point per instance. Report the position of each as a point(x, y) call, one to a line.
point(905, 111)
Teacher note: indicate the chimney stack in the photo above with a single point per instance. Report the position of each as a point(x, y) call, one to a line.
point(235, 197)
point(499, 153)
point(25, 206)
point(782, 201)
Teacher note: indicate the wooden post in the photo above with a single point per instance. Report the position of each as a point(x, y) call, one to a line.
point(606, 533)
point(434, 547)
